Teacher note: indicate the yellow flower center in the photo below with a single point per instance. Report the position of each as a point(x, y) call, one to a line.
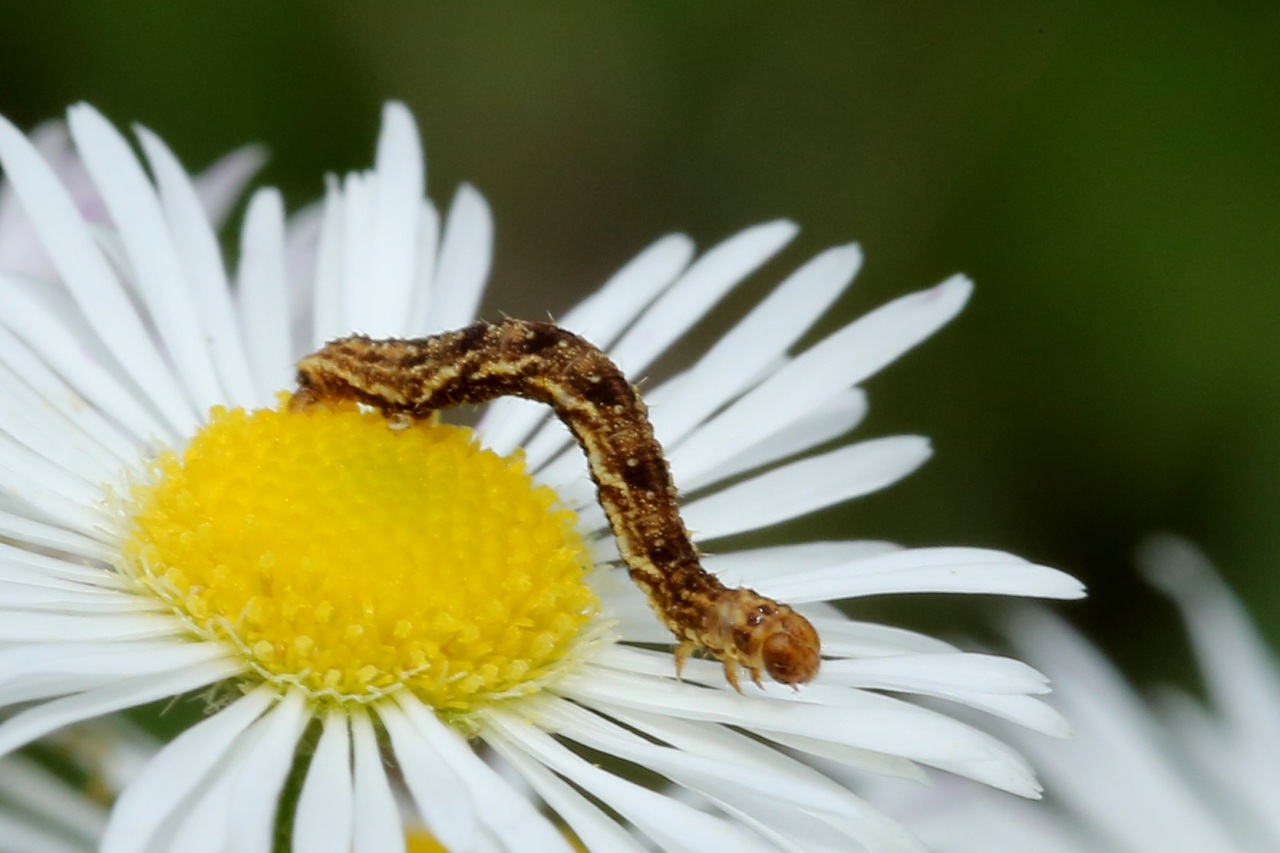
point(352, 558)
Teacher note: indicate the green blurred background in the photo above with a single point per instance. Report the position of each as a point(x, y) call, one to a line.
point(1106, 172)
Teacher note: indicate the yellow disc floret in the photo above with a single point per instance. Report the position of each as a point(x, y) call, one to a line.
point(350, 557)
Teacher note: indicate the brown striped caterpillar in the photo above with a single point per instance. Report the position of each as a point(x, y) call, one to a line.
point(542, 362)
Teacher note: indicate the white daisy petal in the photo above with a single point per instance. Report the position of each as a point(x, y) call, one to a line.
point(507, 814)
point(683, 766)
point(701, 286)
point(466, 253)
point(72, 356)
point(50, 490)
point(88, 276)
point(864, 761)
point(197, 246)
point(800, 833)
point(176, 771)
point(49, 433)
point(301, 240)
point(763, 336)
point(672, 824)
point(1238, 666)
point(957, 570)
point(846, 638)
point(264, 310)
point(858, 719)
point(16, 574)
point(357, 228)
point(140, 224)
point(12, 557)
point(758, 565)
point(203, 828)
point(425, 277)
point(60, 668)
point(442, 800)
point(324, 818)
point(327, 322)
point(841, 413)
point(876, 830)
point(643, 661)
point(54, 627)
point(262, 774)
point(88, 600)
point(1137, 777)
point(601, 317)
point(398, 187)
point(840, 361)
point(1032, 714)
point(595, 829)
point(937, 672)
point(56, 396)
point(829, 421)
point(28, 530)
point(33, 723)
point(377, 826)
point(802, 487)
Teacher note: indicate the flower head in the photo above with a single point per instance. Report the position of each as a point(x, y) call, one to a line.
point(360, 586)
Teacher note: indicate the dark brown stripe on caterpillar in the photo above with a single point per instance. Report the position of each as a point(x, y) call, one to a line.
point(542, 362)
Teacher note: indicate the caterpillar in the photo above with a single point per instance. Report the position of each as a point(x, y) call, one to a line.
point(413, 378)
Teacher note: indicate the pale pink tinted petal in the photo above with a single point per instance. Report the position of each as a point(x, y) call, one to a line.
point(221, 185)
point(89, 277)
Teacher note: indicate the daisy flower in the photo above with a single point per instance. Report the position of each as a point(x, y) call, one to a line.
point(1160, 776)
point(442, 601)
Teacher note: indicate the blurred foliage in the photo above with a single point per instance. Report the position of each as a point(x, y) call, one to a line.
point(1106, 172)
